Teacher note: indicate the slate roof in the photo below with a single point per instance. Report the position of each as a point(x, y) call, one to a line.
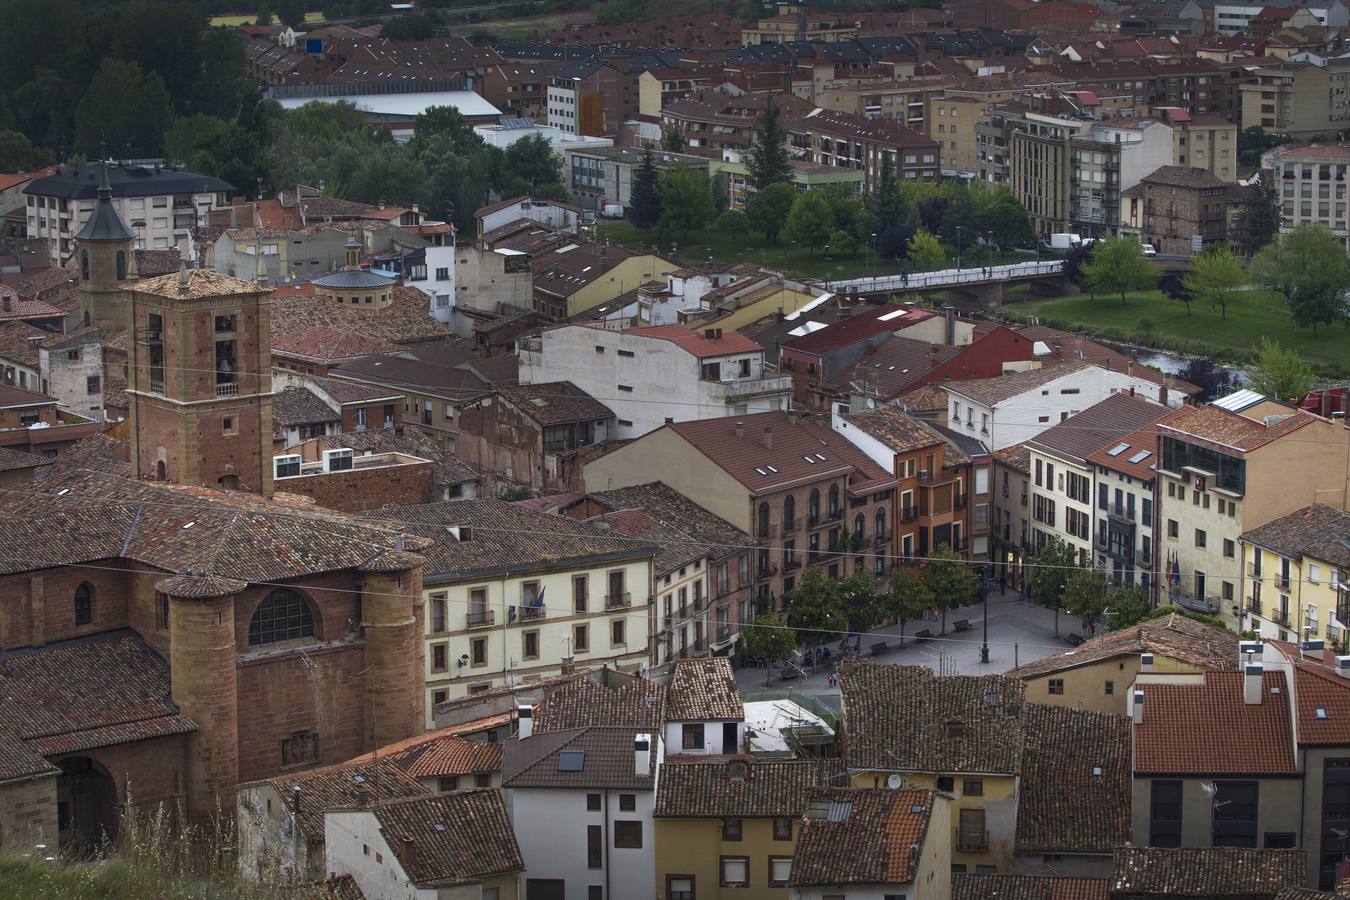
point(1207, 729)
point(897, 718)
point(446, 468)
point(1028, 887)
point(608, 759)
point(1314, 532)
point(125, 180)
point(865, 838)
point(1074, 796)
point(856, 327)
point(1217, 872)
point(505, 538)
point(81, 694)
point(301, 406)
point(457, 838)
point(616, 699)
point(1173, 636)
point(704, 690)
point(697, 343)
point(1229, 429)
point(898, 430)
point(79, 515)
point(741, 788)
point(340, 785)
point(794, 438)
point(555, 403)
point(1099, 426)
point(993, 391)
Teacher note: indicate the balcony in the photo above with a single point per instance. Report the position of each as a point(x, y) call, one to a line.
point(857, 541)
point(881, 538)
point(972, 841)
point(1254, 607)
point(616, 601)
point(745, 388)
point(791, 525)
point(156, 385)
point(813, 521)
point(1282, 582)
point(767, 531)
point(767, 572)
point(230, 389)
point(1280, 617)
point(792, 565)
point(836, 514)
point(480, 618)
point(531, 612)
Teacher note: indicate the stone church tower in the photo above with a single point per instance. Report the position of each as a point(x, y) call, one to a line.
point(200, 367)
point(107, 260)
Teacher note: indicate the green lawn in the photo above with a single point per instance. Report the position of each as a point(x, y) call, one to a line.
point(789, 259)
point(1253, 315)
point(249, 19)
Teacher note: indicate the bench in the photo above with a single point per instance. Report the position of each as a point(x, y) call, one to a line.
point(961, 625)
point(1074, 640)
point(879, 648)
point(920, 636)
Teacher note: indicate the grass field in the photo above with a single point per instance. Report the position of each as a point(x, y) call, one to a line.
point(506, 30)
point(789, 259)
point(231, 21)
point(1253, 315)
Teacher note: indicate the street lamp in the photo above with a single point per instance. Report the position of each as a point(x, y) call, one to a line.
point(984, 593)
point(958, 247)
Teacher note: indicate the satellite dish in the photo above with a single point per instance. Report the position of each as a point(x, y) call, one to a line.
point(894, 781)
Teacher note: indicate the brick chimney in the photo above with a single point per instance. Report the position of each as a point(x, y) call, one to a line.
point(407, 852)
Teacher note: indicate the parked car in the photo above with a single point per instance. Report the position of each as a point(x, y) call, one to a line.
point(1150, 250)
point(612, 211)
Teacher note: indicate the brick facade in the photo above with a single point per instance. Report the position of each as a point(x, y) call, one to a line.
point(27, 814)
point(360, 490)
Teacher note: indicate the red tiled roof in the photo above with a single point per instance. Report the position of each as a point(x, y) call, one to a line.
point(697, 343)
point(857, 328)
point(438, 754)
point(1208, 729)
point(1230, 429)
point(868, 844)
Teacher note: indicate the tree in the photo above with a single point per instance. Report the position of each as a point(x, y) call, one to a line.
point(1310, 267)
point(960, 221)
point(1213, 381)
point(1118, 266)
point(686, 200)
point(408, 28)
point(1006, 221)
point(646, 200)
point(531, 167)
point(950, 581)
point(815, 611)
point(1049, 570)
point(264, 14)
point(124, 111)
point(672, 141)
point(1085, 596)
point(843, 243)
point(1279, 372)
point(290, 12)
point(768, 209)
point(212, 146)
point(907, 598)
point(1074, 261)
point(893, 243)
point(1215, 276)
point(925, 251)
point(733, 223)
point(1254, 141)
point(770, 640)
point(861, 597)
point(889, 204)
point(19, 153)
point(767, 162)
point(1258, 222)
point(810, 221)
point(1127, 605)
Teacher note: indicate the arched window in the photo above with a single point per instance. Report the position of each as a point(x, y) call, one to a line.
point(84, 604)
point(228, 482)
point(789, 512)
point(881, 522)
point(121, 265)
point(84, 264)
point(283, 616)
point(859, 526)
point(814, 508)
point(834, 500)
point(764, 520)
point(161, 473)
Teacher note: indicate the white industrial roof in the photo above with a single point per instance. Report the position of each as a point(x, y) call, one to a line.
point(413, 104)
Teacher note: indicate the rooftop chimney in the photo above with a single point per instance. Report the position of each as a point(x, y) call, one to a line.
point(363, 797)
point(295, 799)
point(1326, 404)
point(182, 276)
point(950, 313)
point(1311, 648)
point(1138, 707)
point(1145, 662)
point(768, 437)
point(1249, 652)
point(1343, 666)
point(524, 721)
point(1251, 683)
point(642, 754)
point(407, 851)
point(740, 429)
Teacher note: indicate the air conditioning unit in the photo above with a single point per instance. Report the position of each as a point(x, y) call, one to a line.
point(337, 460)
point(285, 466)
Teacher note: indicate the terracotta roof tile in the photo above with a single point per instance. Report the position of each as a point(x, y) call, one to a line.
point(896, 364)
point(858, 327)
point(704, 690)
point(606, 761)
point(456, 838)
point(1075, 791)
point(1076, 349)
point(925, 398)
point(898, 430)
point(19, 342)
point(1229, 429)
point(438, 754)
point(341, 785)
point(555, 402)
point(200, 283)
point(992, 391)
point(1216, 873)
point(301, 406)
point(1207, 729)
point(614, 699)
point(697, 343)
point(905, 718)
point(1173, 636)
point(1017, 457)
point(1098, 427)
point(398, 372)
point(313, 325)
point(1319, 687)
point(862, 837)
point(741, 788)
point(1313, 532)
point(12, 460)
point(1028, 887)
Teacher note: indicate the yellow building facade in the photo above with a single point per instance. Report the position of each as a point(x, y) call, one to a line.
point(1296, 576)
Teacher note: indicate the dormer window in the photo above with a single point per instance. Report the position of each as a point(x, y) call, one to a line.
point(955, 729)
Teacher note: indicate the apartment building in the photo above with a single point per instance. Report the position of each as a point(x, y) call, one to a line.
point(1300, 99)
point(592, 97)
point(1125, 537)
point(431, 394)
point(710, 121)
point(1202, 142)
point(1180, 210)
point(601, 176)
point(1296, 575)
point(653, 376)
point(490, 620)
point(1012, 513)
point(521, 88)
point(1310, 180)
point(850, 142)
point(1225, 469)
point(577, 278)
point(1064, 488)
point(791, 482)
point(1235, 17)
point(162, 206)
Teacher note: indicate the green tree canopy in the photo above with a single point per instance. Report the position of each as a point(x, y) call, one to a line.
point(925, 251)
point(686, 200)
point(408, 28)
point(733, 223)
point(1310, 267)
point(1118, 266)
point(211, 146)
point(862, 598)
point(950, 581)
point(810, 221)
point(770, 640)
point(1127, 605)
point(815, 610)
point(673, 141)
point(1258, 221)
point(842, 243)
point(908, 597)
point(290, 12)
point(1085, 595)
point(1279, 373)
point(767, 163)
point(1047, 572)
point(1216, 276)
point(644, 197)
point(1004, 220)
point(124, 111)
point(768, 209)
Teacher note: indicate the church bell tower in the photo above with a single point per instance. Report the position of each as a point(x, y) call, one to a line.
point(107, 253)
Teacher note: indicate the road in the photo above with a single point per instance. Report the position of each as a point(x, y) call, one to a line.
point(978, 275)
point(1019, 632)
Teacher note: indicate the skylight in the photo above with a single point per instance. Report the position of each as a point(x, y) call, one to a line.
point(772, 469)
point(809, 459)
point(1117, 449)
point(1141, 456)
point(760, 471)
point(188, 525)
point(1321, 712)
point(571, 760)
point(820, 457)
